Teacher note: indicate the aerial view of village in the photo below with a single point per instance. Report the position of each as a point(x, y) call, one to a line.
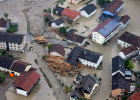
point(69, 49)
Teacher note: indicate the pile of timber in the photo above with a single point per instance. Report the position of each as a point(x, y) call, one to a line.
point(58, 65)
point(41, 39)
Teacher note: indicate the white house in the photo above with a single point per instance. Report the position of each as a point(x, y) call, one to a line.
point(129, 52)
point(128, 39)
point(90, 58)
point(12, 41)
point(75, 39)
point(88, 10)
point(105, 31)
point(124, 21)
point(75, 1)
point(25, 82)
point(57, 23)
point(4, 25)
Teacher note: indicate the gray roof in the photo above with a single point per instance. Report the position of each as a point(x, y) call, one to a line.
point(118, 64)
point(90, 56)
point(11, 37)
point(58, 9)
point(107, 27)
point(89, 8)
point(119, 82)
point(59, 21)
point(6, 62)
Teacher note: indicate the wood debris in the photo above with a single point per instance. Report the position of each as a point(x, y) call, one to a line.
point(41, 39)
point(57, 64)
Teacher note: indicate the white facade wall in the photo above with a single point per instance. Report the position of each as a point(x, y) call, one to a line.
point(55, 54)
point(14, 46)
point(21, 92)
point(91, 64)
point(123, 44)
point(3, 29)
point(75, 1)
point(83, 13)
point(79, 44)
point(55, 26)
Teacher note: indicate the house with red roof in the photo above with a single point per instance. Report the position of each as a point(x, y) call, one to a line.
point(129, 52)
point(124, 21)
point(105, 31)
point(70, 15)
point(57, 50)
point(25, 82)
point(113, 8)
point(135, 96)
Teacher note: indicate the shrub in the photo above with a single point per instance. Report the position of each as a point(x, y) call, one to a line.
point(44, 57)
point(3, 52)
point(49, 46)
point(62, 30)
point(46, 19)
point(129, 64)
point(6, 15)
point(102, 2)
point(2, 77)
point(67, 89)
point(10, 55)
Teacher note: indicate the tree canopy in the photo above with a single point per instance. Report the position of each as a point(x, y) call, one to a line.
point(62, 30)
point(102, 2)
point(129, 64)
point(2, 76)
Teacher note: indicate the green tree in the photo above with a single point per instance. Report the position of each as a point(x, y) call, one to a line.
point(6, 15)
point(47, 19)
point(102, 2)
point(62, 30)
point(129, 64)
point(2, 76)
point(3, 52)
point(49, 46)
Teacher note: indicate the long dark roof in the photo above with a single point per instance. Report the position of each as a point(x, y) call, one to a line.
point(74, 37)
point(59, 21)
point(113, 6)
point(11, 37)
point(6, 62)
point(90, 56)
point(89, 8)
point(130, 38)
point(118, 64)
point(119, 82)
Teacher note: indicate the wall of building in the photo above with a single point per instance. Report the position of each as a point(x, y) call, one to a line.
point(75, 1)
point(55, 26)
point(98, 38)
point(123, 44)
point(119, 9)
point(55, 54)
point(3, 29)
point(21, 92)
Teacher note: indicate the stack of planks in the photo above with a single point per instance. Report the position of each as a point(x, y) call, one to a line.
point(41, 39)
point(57, 64)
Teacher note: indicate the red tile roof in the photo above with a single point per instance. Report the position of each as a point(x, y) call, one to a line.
point(57, 48)
point(3, 22)
point(70, 13)
point(26, 80)
point(113, 6)
point(124, 19)
point(129, 50)
point(135, 96)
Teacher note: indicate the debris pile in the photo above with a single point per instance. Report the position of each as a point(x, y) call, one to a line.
point(57, 64)
point(41, 39)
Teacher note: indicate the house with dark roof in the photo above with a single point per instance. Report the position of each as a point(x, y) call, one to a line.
point(75, 1)
point(86, 57)
point(88, 10)
point(113, 8)
point(118, 66)
point(84, 88)
point(105, 31)
point(119, 85)
point(58, 10)
point(25, 82)
point(4, 25)
point(124, 21)
point(74, 38)
point(12, 65)
point(129, 52)
point(70, 15)
point(128, 39)
point(57, 50)
point(12, 41)
point(57, 23)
